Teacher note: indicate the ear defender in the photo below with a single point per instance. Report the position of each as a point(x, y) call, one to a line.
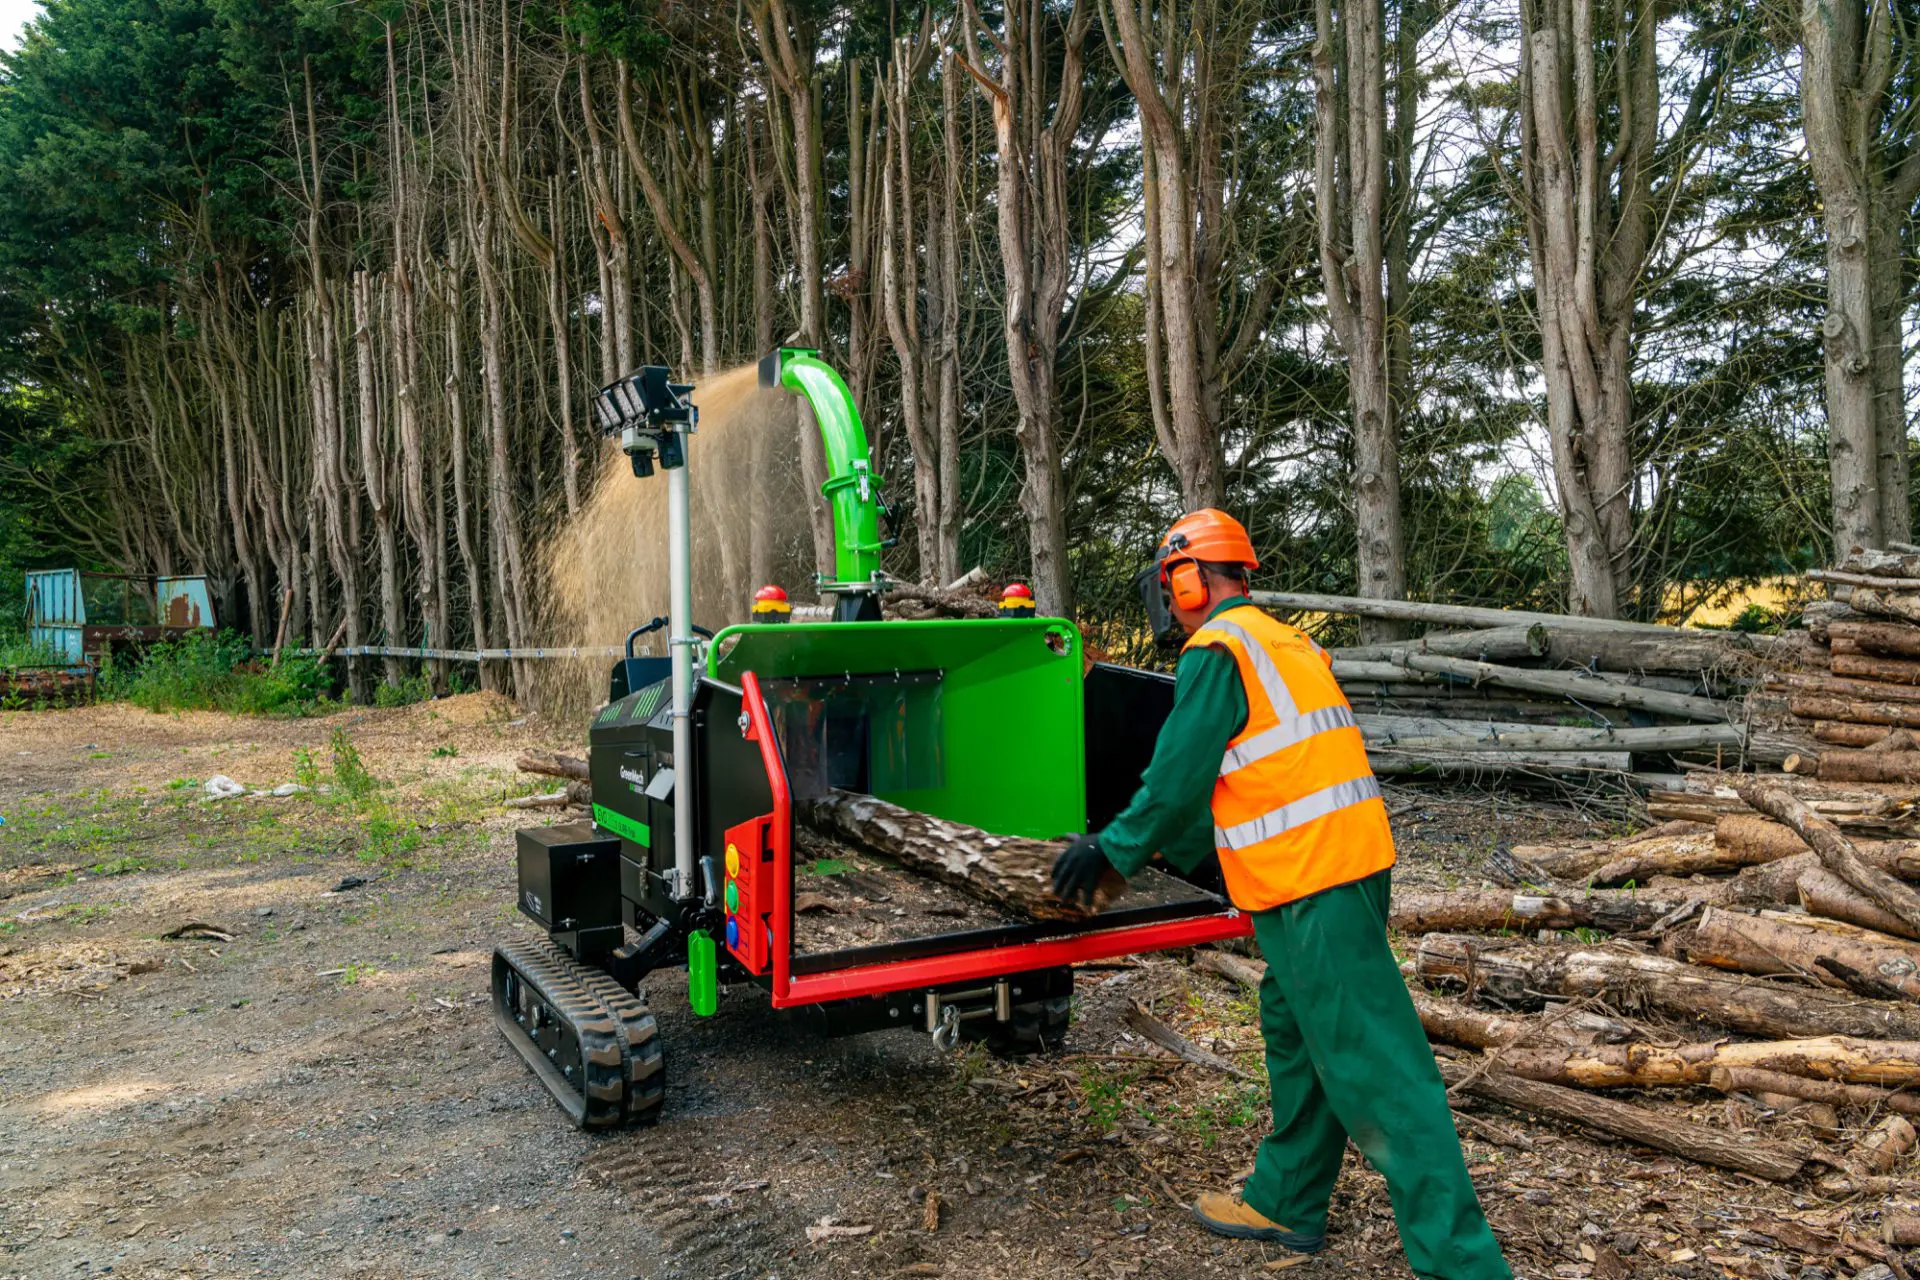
point(1187, 585)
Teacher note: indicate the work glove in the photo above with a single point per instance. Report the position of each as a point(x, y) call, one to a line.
point(1077, 871)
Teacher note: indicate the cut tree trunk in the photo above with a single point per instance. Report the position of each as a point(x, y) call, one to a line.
point(1886, 604)
point(1858, 766)
point(1890, 1063)
point(1759, 1080)
point(1888, 639)
point(1662, 1132)
point(1863, 666)
point(1494, 644)
point(1581, 688)
point(1399, 762)
point(553, 765)
point(1809, 706)
point(1835, 851)
point(1755, 840)
point(1842, 734)
point(1524, 977)
point(1823, 893)
point(1678, 843)
point(1144, 1023)
point(1014, 871)
point(1630, 651)
point(1830, 686)
point(1485, 911)
point(1414, 734)
point(1825, 951)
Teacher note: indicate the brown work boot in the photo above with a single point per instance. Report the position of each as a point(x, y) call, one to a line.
point(1229, 1215)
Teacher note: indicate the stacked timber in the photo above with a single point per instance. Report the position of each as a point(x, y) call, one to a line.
point(1516, 693)
point(1770, 957)
point(1856, 694)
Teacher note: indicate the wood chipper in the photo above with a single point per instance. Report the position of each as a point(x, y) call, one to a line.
point(704, 762)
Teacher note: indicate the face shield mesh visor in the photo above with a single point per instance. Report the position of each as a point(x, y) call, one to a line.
point(1153, 596)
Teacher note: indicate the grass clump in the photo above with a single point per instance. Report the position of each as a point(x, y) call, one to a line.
point(204, 671)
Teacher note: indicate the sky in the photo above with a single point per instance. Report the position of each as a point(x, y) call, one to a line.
point(15, 14)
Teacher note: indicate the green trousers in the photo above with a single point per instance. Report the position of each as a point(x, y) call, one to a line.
point(1347, 1058)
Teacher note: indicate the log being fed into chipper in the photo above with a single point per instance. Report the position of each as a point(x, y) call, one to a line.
point(853, 816)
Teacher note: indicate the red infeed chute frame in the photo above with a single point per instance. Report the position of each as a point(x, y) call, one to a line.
point(931, 971)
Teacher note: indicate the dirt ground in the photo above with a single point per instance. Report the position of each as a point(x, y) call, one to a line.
point(310, 1084)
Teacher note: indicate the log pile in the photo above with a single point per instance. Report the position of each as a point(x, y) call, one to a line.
point(1772, 956)
point(1496, 692)
point(1855, 695)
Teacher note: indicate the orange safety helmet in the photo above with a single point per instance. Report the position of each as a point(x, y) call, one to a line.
point(1208, 536)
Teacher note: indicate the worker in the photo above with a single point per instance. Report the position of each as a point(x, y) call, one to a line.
point(1260, 761)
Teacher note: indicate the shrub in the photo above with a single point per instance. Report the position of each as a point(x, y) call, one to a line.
point(410, 689)
point(202, 671)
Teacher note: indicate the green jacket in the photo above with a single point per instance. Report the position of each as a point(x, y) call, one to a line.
point(1172, 812)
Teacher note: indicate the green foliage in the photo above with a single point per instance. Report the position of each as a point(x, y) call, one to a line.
point(204, 671)
point(351, 777)
point(409, 690)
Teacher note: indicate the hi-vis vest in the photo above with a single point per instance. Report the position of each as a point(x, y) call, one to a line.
point(1296, 808)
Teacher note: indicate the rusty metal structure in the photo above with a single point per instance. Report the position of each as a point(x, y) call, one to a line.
point(81, 615)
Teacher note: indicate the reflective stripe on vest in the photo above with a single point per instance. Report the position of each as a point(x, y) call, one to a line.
point(1296, 808)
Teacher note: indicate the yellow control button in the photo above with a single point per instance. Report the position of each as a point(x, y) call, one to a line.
point(733, 860)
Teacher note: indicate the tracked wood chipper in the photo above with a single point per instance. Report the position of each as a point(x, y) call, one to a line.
point(700, 761)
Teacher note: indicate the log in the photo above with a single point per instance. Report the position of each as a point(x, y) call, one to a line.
point(553, 765)
point(1581, 688)
point(1884, 1146)
point(1493, 644)
point(1680, 839)
point(1248, 973)
point(1822, 893)
point(1756, 840)
point(1830, 686)
point(1773, 943)
point(1854, 710)
point(1444, 615)
point(1398, 763)
point(1835, 851)
point(1853, 578)
point(1760, 1080)
point(1681, 857)
point(1662, 1132)
point(1487, 910)
point(1013, 871)
point(1900, 1227)
point(1450, 1022)
point(1145, 1024)
point(1892, 564)
point(546, 800)
point(1523, 977)
point(1415, 734)
point(1689, 652)
point(1841, 734)
point(1888, 639)
point(1894, 1063)
point(1821, 615)
point(1861, 766)
point(1865, 666)
point(1888, 604)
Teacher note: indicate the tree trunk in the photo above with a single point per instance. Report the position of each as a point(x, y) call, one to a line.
point(1835, 851)
point(1823, 893)
point(1845, 1059)
point(1887, 639)
point(1616, 1119)
point(1523, 977)
point(1012, 871)
point(1854, 711)
point(1859, 766)
point(1824, 951)
point(1760, 1080)
point(1493, 910)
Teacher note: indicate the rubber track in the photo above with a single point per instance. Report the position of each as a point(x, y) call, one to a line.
point(581, 997)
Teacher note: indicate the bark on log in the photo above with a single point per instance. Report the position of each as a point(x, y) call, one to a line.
point(1820, 616)
point(1679, 858)
point(1628, 651)
point(1823, 893)
point(1886, 604)
point(1248, 973)
point(1760, 1080)
point(1888, 639)
point(1487, 910)
point(1523, 977)
point(1584, 689)
point(1014, 871)
point(1398, 762)
point(1451, 1022)
point(1860, 766)
point(1858, 578)
point(1444, 615)
point(1810, 706)
point(1580, 861)
point(1841, 734)
point(553, 765)
point(1417, 734)
point(1493, 644)
point(1774, 943)
point(1831, 686)
point(1890, 564)
point(1757, 840)
point(1889, 1063)
point(1900, 1228)
point(1835, 851)
point(1865, 666)
point(1883, 1147)
point(1617, 1119)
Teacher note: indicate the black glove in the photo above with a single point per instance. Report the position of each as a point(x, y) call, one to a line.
point(1077, 871)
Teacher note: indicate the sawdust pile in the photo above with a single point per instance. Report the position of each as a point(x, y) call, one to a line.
point(605, 572)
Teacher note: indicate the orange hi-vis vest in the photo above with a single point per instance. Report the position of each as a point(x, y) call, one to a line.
point(1296, 808)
